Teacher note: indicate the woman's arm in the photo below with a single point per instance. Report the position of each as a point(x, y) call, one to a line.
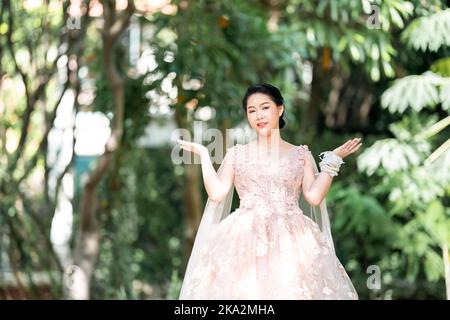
point(217, 186)
point(315, 188)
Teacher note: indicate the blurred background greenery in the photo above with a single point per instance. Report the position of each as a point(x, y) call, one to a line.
point(76, 75)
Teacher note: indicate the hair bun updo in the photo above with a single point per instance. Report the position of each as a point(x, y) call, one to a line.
point(272, 91)
point(282, 123)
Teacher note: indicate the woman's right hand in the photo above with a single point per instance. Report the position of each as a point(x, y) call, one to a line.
point(196, 148)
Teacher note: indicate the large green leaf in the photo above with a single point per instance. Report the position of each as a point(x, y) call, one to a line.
point(416, 92)
point(429, 33)
point(390, 154)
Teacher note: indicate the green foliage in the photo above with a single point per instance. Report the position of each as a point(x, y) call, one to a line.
point(227, 49)
point(415, 182)
point(142, 230)
point(430, 32)
point(136, 116)
point(412, 190)
point(393, 214)
point(441, 67)
point(391, 154)
point(344, 28)
point(417, 92)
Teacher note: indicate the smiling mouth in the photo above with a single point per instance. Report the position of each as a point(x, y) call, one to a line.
point(262, 125)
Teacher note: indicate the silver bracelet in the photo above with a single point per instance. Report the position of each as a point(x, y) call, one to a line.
point(330, 163)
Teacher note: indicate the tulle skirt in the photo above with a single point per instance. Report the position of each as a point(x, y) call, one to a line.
point(259, 255)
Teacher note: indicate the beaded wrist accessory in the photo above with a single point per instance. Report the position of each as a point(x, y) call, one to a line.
point(330, 163)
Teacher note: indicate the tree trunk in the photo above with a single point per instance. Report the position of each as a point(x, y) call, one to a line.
point(192, 201)
point(191, 191)
point(310, 118)
point(88, 238)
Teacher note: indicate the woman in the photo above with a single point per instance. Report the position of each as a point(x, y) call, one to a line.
point(267, 248)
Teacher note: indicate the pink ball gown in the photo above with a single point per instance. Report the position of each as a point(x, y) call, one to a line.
point(267, 248)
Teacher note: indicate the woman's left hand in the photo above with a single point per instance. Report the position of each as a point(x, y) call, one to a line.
point(348, 148)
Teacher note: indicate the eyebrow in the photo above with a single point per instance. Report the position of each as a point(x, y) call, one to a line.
point(260, 104)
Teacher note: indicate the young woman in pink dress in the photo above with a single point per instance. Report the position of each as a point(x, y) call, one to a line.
point(273, 246)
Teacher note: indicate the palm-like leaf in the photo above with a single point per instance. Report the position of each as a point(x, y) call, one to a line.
point(417, 92)
point(430, 32)
point(390, 154)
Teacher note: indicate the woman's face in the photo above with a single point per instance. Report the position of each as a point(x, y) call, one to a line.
point(263, 114)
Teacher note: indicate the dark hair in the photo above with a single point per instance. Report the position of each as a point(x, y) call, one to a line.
point(273, 93)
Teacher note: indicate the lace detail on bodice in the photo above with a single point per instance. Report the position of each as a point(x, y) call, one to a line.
point(273, 186)
point(266, 249)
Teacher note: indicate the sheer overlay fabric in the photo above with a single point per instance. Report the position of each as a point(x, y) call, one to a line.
point(274, 245)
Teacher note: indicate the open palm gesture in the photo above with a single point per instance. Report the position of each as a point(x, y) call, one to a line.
point(348, 148)
point(196, 148)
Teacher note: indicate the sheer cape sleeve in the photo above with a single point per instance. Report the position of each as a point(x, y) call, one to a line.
point(319, 214)
point(213, 214)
